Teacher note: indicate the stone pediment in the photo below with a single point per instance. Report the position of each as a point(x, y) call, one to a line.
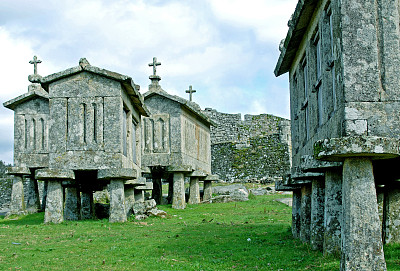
point(34, 91)
point(84, 66)
point(191, 106)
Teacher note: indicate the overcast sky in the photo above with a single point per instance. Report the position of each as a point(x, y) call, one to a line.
point(225, 49)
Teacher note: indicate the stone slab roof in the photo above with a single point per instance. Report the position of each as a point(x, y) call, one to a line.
point(34, 91)
point(131, 88)
point(298, 24)
point(191, 106)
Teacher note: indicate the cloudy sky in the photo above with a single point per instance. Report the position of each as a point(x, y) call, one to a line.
point(226, 49)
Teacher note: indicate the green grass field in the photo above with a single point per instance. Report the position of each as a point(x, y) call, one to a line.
point(253, 235)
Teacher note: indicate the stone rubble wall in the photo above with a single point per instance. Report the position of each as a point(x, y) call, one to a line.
point(257, 147)
point(5, 192)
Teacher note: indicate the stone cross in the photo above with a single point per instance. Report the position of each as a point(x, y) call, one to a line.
point(35, 61)
point(190, 91)
point(154, 65)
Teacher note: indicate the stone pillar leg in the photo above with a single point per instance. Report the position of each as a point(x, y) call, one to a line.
point(170, 188)
point(129, 199)
point(305, 213)
point(87, 205)
point(72, 206)
point(117, 201)
point(317, 214)
point(17, 204)
point(362, 247)
point(392, 215)
point(178, 198)
point(54, 203)
point(157, 190)
point(194, 191)
point(296, 207)
point(44, 195)
point(32, 195)
point(333, 212)
point(139, 195)
point(380, 196)
point(207, 190)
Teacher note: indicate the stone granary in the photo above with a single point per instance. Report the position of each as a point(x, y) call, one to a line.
point(343, 59)
point(176, 143)
point(79, 130)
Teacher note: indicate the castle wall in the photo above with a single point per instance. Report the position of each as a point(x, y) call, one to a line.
point(257, 147)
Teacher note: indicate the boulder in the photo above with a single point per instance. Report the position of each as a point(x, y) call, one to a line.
point(261, 191)
point(157, 212)
point(229, 189)
point(144, 209)
point(234, 192)
point(141, 207)
point(240, 195)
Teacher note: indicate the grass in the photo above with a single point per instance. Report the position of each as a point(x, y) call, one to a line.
point(252, 235)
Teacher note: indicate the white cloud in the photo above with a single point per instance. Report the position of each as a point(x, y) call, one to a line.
point(268, 19)
point(15, 55)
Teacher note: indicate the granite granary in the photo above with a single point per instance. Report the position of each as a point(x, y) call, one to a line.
point(79, 131)
point(176, 144)
point(343, 59)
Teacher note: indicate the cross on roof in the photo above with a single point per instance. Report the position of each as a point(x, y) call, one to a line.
point(35, 61)
point(155, 64)
point(190, 91)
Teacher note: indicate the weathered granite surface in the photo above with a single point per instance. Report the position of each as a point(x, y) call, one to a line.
point(317, 214)
point(392, 214)
point(178, 200)
point(362, 247)
point(87, 205)
point(256, 147)
point(305, 213)
point(337, 149)
point(54, 212)
point(333, 212)
point(296, 213)
point(207, 194)
point(72, 203)
point(32, 195)
point(194, 191)
point(17, 204)
point(117, 201)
